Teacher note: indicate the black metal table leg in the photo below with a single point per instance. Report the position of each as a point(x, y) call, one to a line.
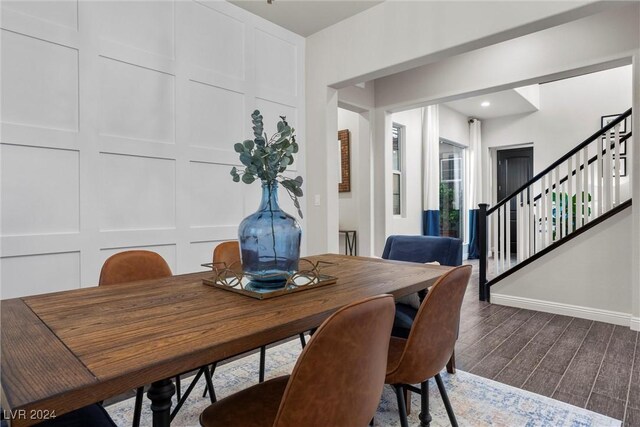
point(160, 395)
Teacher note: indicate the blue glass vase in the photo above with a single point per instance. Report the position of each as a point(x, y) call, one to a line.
point(269, 242)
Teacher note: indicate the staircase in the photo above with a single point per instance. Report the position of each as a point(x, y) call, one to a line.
point(577, 192)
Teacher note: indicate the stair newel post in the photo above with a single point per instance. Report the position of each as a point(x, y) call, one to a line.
point(482, 240)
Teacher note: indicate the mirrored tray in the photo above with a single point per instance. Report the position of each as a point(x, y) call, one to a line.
point(232, 278)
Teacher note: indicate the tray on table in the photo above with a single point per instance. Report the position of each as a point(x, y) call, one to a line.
point(230, 279)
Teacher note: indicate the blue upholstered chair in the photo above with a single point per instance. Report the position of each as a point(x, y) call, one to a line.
point(422, 249)
point(445, 250)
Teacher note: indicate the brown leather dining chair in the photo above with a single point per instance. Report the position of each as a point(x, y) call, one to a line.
point(429, 345)
point(130, 266)
point(344, 362)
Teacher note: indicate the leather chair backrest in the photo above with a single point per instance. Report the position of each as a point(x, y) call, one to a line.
point(435, 328)
point(445, 250)
point(339, 376)
point(229, 254)
point(130, 266)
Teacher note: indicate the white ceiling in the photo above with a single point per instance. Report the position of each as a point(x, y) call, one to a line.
point(305, 17)
point(505, 103)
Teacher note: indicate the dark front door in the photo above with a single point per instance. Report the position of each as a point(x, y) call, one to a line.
point(515, 168)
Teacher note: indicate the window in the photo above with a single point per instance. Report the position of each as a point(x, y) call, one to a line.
point(451, 189)
point(396, 167)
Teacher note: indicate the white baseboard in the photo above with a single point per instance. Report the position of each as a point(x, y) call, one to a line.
point(614, 317)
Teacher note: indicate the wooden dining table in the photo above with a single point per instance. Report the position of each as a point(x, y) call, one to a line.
point(65, 350)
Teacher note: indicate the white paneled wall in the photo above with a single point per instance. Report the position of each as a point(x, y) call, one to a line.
point(118, 125)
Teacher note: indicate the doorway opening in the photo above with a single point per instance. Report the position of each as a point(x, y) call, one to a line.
point(515, 168)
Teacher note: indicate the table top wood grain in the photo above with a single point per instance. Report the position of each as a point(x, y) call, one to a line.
point(68, 349)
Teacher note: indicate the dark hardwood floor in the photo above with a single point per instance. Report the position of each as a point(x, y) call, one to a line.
point(589, 364)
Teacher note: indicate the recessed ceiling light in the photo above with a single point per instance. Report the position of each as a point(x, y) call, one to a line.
point(485, 104)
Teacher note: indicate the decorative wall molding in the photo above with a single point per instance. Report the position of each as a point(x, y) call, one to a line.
point(118, 124)
point(614, 317)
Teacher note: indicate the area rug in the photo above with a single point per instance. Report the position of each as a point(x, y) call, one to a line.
point(476, 401)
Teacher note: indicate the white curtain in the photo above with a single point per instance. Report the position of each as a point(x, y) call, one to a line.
point(431, 171)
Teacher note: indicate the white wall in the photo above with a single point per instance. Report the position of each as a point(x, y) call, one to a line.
point(635, 183)
point(381, 41)
point(410, 220)
point(570, 112)
point(454, 126)
point(570, 49)
point(118, 124)
point(597, 284)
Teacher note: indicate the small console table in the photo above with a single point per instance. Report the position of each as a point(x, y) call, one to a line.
point(350, 242)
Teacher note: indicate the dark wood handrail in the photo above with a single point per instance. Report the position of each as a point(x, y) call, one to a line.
point(562, 159)
point(591, 160)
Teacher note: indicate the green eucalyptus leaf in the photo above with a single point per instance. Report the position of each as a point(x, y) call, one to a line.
point(239, 148)
point(248, 144)
point(247, 178)
point(245, 158)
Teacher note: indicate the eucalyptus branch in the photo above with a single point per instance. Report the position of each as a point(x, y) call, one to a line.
point(266, 158)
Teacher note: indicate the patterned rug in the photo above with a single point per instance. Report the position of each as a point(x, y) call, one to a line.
point(476, 401)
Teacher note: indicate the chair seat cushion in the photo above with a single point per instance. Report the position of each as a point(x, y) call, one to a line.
point(256, 406)
point(91, 415)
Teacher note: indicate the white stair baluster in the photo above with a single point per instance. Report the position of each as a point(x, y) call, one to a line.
point(550, 209)
point(532, 223)
point(616, 165)
point(507, 209)
point(520, 228)
point(495, 227)
point(579, 204)
point(608, 175)
point(542, 214)
point(558, 234)
point(598, 178)
point(585, 186)
point(570, 196)
point(592, 212)
point(538, 226)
